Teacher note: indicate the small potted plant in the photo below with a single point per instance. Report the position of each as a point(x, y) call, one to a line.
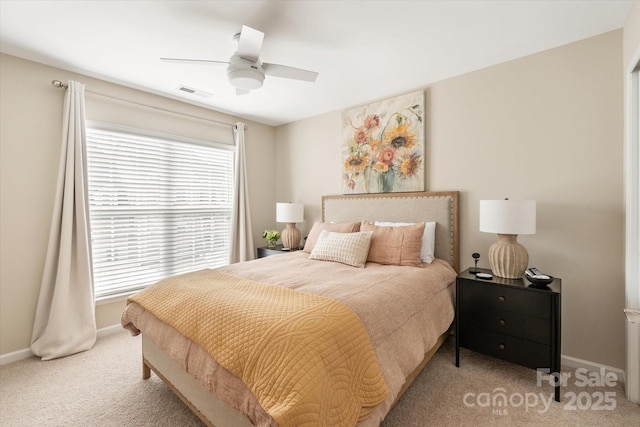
point(272, 237)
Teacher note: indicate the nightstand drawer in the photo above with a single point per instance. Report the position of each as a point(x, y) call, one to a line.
point(526, 353)
point(508, 323)
point(494, 297)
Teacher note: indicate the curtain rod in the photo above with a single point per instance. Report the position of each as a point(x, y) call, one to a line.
point(59, 84)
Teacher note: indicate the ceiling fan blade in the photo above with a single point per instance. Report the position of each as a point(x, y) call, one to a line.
point(250, 43)
point(241, 91)
point(286, 72)
point(192, 61)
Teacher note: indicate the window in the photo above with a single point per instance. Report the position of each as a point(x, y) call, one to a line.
point(160, 205)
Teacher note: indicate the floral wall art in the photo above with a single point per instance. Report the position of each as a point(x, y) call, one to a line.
point(383, 148)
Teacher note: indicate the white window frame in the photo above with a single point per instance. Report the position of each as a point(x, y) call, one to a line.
point(147, 278)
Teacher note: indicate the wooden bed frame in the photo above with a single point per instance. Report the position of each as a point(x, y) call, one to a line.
point(441, 207)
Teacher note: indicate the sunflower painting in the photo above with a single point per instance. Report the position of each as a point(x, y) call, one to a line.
point(383, 149)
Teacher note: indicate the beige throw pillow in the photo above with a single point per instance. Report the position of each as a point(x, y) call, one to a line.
point(346, 248)
point(340, 227)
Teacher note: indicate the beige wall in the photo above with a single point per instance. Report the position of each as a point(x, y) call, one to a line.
point(546, 127)
point(30, 117)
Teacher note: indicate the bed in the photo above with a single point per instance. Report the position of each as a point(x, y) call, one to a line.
point(405, 322)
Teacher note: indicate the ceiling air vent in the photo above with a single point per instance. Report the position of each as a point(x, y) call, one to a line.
point(196, 92)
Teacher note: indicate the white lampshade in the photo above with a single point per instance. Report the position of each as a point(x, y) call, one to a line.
point(508, 216)
point(289, 212)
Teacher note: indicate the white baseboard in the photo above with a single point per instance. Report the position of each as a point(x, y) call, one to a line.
point(574, 362)
point(25, 353)
point(110, 330)
point(14, 356)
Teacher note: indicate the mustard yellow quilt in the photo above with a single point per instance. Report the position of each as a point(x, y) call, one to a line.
point(307, 358)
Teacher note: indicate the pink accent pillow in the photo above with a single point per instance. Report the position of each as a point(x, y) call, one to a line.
point(427, 253)
point(395, 245)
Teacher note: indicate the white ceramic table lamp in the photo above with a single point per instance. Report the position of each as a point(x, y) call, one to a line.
point(290, 213)
point(508, 218)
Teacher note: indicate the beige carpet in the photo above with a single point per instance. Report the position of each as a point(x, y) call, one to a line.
point(103, 387)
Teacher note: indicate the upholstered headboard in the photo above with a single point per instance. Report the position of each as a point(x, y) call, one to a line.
point(441, 207)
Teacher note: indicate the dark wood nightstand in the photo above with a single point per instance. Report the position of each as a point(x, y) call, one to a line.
point(510, 319)
point(267, 251)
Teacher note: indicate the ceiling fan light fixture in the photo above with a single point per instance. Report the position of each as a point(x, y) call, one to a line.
point(245, 78)
point(245, 70)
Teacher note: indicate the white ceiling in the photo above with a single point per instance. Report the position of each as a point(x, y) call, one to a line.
point(363, 50)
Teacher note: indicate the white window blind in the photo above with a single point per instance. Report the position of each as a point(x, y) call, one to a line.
point(159, 207)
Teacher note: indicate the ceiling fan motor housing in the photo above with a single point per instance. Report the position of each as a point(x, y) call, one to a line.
point(244, 74)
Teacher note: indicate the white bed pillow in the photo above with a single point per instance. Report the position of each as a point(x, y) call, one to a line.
point(346, 248)
point(427, 251)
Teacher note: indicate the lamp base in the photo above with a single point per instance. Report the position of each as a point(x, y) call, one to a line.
point(507, 257)
point(291, 236)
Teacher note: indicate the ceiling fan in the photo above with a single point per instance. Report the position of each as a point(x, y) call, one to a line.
point(245, 70)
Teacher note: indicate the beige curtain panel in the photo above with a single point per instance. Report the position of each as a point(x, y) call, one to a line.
point(241, 234)
point(65, 317)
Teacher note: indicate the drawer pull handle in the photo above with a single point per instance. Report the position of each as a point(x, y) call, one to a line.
point(501, 346)
point(502, 322)
point(501, 298)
